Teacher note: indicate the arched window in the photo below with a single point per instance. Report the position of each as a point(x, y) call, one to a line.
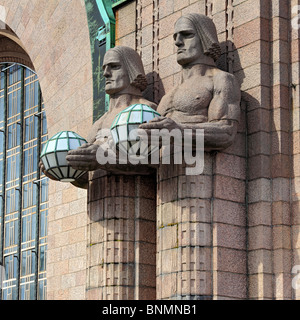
point(23, 189)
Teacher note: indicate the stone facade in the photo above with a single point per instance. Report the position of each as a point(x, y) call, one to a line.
point(246, 239)
point(59, 50)
point(121, 237)
point(252, 205)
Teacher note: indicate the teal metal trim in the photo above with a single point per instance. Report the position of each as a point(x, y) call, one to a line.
point(117, 2)
point(107, 32)
point(101, 23)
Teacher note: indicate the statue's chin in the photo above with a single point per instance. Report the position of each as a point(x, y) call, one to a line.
point(191, 60)
point(113, 91)
point(182, 61)
point(185, 61)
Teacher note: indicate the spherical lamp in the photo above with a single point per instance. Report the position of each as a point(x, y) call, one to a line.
point(124, 128)
point(54, 155)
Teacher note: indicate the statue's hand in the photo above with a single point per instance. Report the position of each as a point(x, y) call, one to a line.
point(47, 174)
point(160, 123)
point(152, 127)
point(84, 157)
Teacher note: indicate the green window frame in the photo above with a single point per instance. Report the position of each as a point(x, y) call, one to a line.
point(101, 22)
point(23, 188)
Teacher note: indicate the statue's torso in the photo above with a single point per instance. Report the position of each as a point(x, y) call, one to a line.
point(189, 101)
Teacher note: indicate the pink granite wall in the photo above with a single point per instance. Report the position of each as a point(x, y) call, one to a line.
point(56, 37)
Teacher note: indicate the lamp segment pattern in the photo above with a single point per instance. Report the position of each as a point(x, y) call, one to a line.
point(23, 189)
point(124, 130)
point(54, 155)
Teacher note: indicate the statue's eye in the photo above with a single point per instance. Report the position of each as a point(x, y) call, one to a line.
point(115, 66)
point(183, 34)
point(188, 34)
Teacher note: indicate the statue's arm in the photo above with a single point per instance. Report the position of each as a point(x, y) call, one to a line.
point(225, 104)
point(94, 156)
point(83, 181)
point(223, 114)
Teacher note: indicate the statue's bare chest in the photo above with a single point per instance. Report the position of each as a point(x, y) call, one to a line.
point(191, 97)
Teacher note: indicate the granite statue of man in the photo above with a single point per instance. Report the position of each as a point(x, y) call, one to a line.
point(208, 98)
point(117, 203)
point(125, 81)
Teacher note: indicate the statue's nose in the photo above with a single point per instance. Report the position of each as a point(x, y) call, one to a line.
point(106, 72)
point(178, 40)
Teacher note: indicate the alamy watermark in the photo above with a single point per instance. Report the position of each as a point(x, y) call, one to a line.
point(161, 147)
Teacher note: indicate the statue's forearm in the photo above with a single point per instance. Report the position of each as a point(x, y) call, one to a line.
point(217, 135)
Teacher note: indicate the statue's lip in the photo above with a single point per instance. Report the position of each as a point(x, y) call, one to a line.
point(180, 51)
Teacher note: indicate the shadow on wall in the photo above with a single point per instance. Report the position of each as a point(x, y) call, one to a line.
point(155, 90)
point(267, 202)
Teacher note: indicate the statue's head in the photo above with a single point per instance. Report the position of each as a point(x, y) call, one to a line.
point(123, 70)
point(196, 37)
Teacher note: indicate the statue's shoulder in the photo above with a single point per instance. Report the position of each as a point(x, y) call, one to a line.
point(148, 103)
point(225, 81)
point(95, 128)
point(172, 92)
point(224, 78)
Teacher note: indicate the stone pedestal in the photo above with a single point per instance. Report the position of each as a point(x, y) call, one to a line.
point(184, 233)
point(201, 241)
point(121, 239)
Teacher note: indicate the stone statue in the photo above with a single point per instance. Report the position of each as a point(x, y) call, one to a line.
point(108, 205)
point(208, 98)
point(125, 80)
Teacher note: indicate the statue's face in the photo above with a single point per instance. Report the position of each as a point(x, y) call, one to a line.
point(115, 73)
point(189, 48)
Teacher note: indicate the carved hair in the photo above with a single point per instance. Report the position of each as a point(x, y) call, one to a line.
point(207, 33)
point(134, 66)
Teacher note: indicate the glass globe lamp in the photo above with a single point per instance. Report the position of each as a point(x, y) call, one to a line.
point(123, 130)
point(54, 155)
